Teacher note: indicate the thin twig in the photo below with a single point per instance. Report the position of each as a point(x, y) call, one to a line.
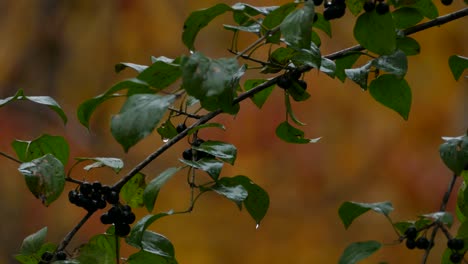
point(443, 207)
point(184, 113)
point(72, 233)
point(255, 43)
point(9, 157)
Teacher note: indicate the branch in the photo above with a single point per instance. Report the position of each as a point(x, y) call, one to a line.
point(409, 31)
point(333, 56)
point(443, 206)
point(72, 233)
point(9, 157)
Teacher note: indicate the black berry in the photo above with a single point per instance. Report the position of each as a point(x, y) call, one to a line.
point(382, 8)
point(86, 188)
point(446, 2)
point(411, 232)
point(73, 196)
point(318, 2)
point(187, 154)
point(181, 127)
point(112, 197)
point(97, 186)
point(60, 255)
point(47, 256)
point(327, 4)
point(335, 11)
point(122, 229)
point(455, 244)
point(198, 142)
point(106, 219)
point(369, 6)
point(284, 82)
point(422, 243)
point(410, 243)
point(128, 217)
point(456, 257)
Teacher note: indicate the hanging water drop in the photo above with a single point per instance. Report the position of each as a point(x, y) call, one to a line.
point(191, 51)
point(257, 226)
point(165, 140)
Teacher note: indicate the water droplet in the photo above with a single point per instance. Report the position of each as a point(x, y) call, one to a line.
point(165, 140)
point(257, 226)
point(191, 51)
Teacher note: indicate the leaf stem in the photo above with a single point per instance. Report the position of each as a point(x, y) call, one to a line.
point(258, 41)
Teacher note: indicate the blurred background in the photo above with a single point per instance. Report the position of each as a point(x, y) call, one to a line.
point(68, 49)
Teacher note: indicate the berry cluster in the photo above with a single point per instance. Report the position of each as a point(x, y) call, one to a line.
point(456, 245)
point(93, 196)
point(181, 127)
point(411, 242)
point(121, 216)
point(379, 5)
point(286, 80)
point(190, 154)
point(48, 257)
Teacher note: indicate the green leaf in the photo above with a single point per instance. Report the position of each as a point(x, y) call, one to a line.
point(349, 211)
point(289, 110)
point(443, 217)
point(230, 189)
point(274, 19)
point(355, 6)
point(222, 150)
point(161, 73)
point(157, 244)
point(114, 163)
point(198, 20)
point(297, 26)
point(396, 63)
point(87, 108)
point(167, 130)
point(406, 17)
point(212, 81)
point(123, 65)
point(147, 257)
point(462, 203)
point(454, 153)
point(458, 64)
point(298, 93)
point(45, 144)
point(45, 178)
point(310, 57)
point(43, 100)
point(132, 191)
point(376, 32)
point(207, 125)
point(328, 67)
point(257, 201)
point(359, 75)
point(316, 39)
point(151, 191)
point(33, 243)
point(282, 56)
point(34, 258)
point(290, 134)
point(138, 117)
point(393, 93)
point(323, 24)
point(343, 63)
point(427, 8)
point(100, 249)
point(259, 98)
point(211, 166)
point(358, 251)
point(136, 234)
point(408, 45)
point(254, 28)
